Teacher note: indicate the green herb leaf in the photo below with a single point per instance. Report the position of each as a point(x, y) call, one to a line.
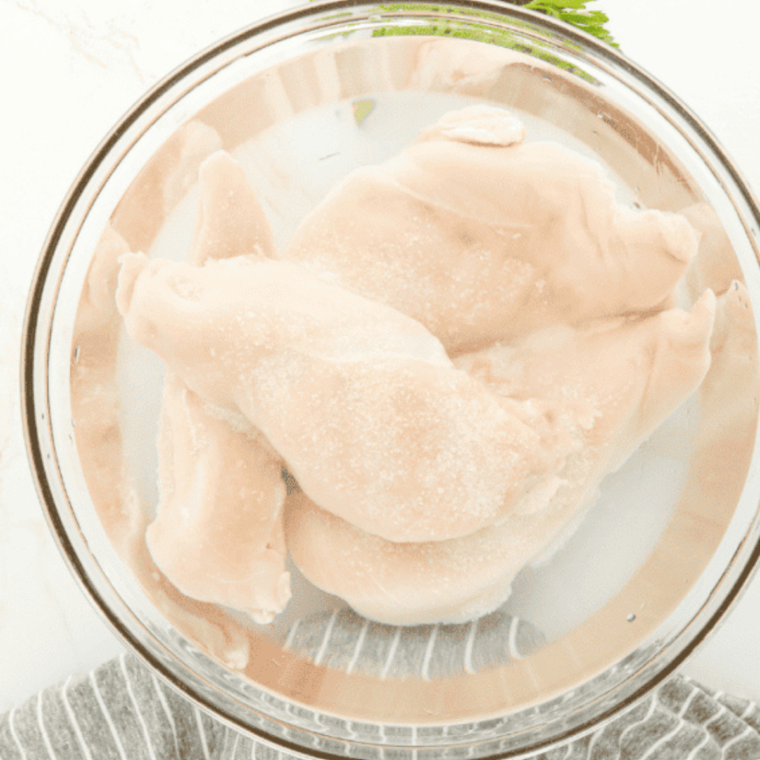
point(575, 12)
point(362, 109)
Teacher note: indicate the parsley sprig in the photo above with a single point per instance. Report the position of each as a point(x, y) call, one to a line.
point(570, 11)
point(575, 12)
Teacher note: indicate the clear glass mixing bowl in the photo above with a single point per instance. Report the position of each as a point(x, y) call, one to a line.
point(300, 100)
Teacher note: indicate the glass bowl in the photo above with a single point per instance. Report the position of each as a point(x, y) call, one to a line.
point(300, 100)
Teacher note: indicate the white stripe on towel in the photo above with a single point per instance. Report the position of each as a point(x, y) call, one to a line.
point(291, 635)
point(667, 737)
point(513, 650)
point(13, 734)
point(391, 653)
point(202, 732)
point(468, 647)
point(326, 638)
point(429, 653)
point(131, 694)
point(693, 754)
point(107, 716)
point(41, 724)
point(73, 720)
point(169, 716)
point(358, 647)
point(646, 717)
point(747, 730)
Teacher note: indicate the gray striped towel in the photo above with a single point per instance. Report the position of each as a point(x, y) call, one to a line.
point(123, 711)
point(342, 640)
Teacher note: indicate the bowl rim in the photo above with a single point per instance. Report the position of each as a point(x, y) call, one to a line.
point(33, 332)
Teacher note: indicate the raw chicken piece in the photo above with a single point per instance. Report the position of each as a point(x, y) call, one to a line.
point(619, 380)
point(232, 221)
point(715, 265)
point(162, 183)
point(457, 66)
point(361, 401)
point(404, 583)
point(729, 396)
point(483, 237)
point(97, 309)
point(94, 397)
point(218, 534)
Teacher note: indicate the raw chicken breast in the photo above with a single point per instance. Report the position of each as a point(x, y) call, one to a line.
point(232, 221)
point(729, 393)
point(715, 266)
point(483, 237)
point(617, 380)
point(361, 401)
point(95, 409)
point(162, 183)
point(218, 533)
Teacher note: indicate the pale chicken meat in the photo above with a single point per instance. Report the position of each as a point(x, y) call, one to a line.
point(232, 221)
point(715, 266)
point(218, 532)
point(620, 378)
point(162, 183)
point(612, 383)
point(94, 396)
point(360, 401)
point(483, 236)
point(729, 398)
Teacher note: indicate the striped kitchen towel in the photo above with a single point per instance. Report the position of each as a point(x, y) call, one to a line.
point(123, 711)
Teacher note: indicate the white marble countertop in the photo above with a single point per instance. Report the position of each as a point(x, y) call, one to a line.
point(68, 70)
